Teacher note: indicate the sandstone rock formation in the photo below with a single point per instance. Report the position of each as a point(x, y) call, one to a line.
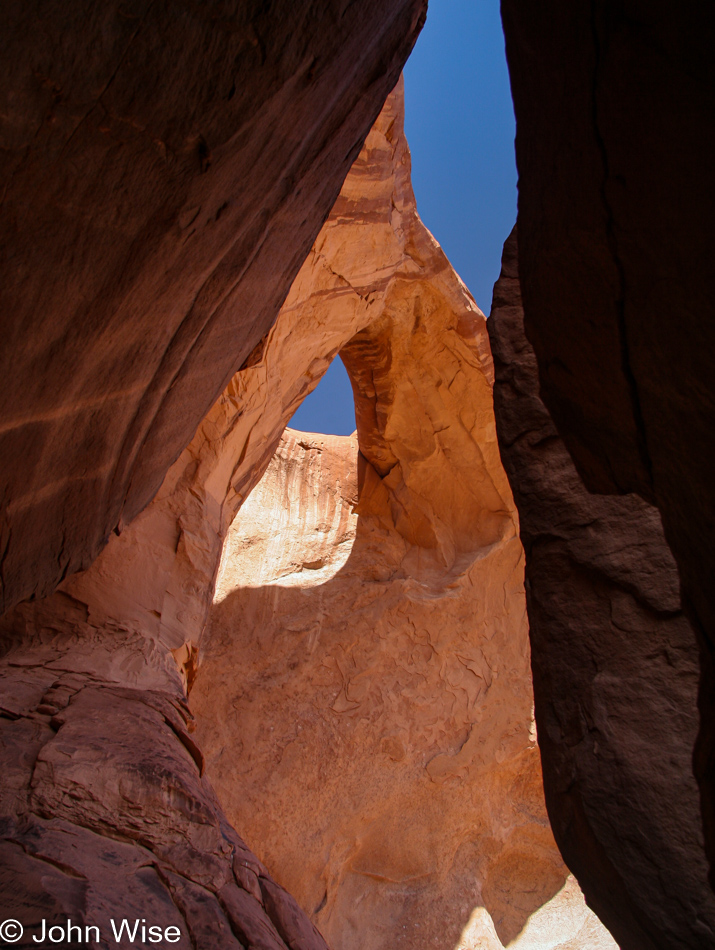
point(106, 780)
point(364, 695)
point(105, 815)
point(165, 171)
point(614, 105)
point(164, 178)
point(364, 703)
point(615, 666)
point(111, 639)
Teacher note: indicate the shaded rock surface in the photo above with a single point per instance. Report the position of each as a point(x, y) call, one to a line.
point(365, 709)
point(615, 665)
point(166, 169)
point(614, 108)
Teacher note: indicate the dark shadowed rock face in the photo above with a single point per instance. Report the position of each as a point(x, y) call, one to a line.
point(614, 104)
point(165, 169)
point(615, 667)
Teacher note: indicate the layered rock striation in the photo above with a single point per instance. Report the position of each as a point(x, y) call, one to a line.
point(165, 171)
point(615, 666)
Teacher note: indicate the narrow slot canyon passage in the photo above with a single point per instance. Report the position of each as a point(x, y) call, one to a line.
point(267, 688)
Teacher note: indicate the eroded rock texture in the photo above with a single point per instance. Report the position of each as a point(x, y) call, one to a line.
point(615, 666)
point(614, 104)
point(166, 168)
point(105, 814)
point(363, 696)
point(364, 703)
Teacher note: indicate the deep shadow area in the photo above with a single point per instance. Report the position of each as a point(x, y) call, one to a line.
point(615, 138)
point(615, 666)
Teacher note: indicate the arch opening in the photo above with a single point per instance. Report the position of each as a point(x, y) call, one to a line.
point(377, 747)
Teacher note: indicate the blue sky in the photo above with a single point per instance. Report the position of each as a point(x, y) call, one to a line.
point(459, 123)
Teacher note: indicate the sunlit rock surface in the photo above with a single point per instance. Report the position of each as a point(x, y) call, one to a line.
point(366, 718)
point(410, 679)
point(364, 696)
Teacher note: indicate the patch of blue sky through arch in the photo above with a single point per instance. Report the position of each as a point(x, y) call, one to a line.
point(459, 123)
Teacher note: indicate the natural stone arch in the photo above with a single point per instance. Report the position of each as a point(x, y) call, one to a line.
point(367, 644)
